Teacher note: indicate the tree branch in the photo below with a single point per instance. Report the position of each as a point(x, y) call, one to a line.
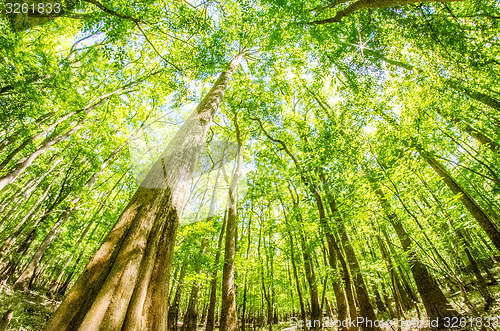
point(362, 4)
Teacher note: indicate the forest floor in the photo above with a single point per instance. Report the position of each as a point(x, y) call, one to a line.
point(32, 310)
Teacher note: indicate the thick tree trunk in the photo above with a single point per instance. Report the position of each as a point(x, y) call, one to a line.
point(125, 285)
point(229, 319)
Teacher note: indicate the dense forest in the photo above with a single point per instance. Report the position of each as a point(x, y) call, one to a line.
point(249, 165)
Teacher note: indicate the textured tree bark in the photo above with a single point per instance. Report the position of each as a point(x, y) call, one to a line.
point(125, 285)
point(61, 288)
point(435, 302)
point(229, 319)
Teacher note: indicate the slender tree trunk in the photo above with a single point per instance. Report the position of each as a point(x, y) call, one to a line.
point(472, 206)
point(295, 273)
point(481, 282)
point(229, 319)
point(173, 310)
point(25, 143)
point(243, 313)
point(23, 280)
point(125, 284)
point(479, 136)
point(311, 278)
point(191, 316)
point(484, 220)
point(19, 168)
point(213, 283)
point(16, 231)
point(478, 96)
point(434, 300)
point(365, 308)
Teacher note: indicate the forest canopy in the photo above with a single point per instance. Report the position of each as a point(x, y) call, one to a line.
point(185, 165)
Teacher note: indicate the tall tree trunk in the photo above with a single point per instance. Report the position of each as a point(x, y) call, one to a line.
point(125, 284)
point(25, 143)
point(334, 251)
point(478, 96)
point(229, 319)
point(484, 220)
point(249, 240)
point(435, 302)
point(173, 310)
point(24, 163)
point(23, 280)
point(191, 316)
point(310, 276)
point(294, 268)
point(365, 307)
point(213, 283)
point(476, 134)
